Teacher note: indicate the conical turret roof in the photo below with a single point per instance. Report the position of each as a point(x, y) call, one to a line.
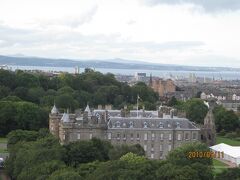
point(54, 110)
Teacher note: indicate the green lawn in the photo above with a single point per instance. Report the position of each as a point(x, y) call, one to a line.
point(227, 141)
point(219, 166)
point(3, 140)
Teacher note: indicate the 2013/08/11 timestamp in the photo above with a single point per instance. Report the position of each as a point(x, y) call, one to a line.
point(205, 154)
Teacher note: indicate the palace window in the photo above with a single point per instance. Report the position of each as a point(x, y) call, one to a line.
point(131, 136)
point(118, 136)
point(161, 147)
point(109, 136)
point(145, 147)
point(138, 136)
point(179, 137)
point(161, 136)
point(152, 156)
point(153, 136)
point(152, 147)
point(124, 137)
point(170, 137)
point(145, 137)
point(194, 136)
point(169, 147)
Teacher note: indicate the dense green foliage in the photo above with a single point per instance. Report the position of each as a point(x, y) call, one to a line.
point(42, 157)
point(231, 173)
point(21, 115)
point(74, 91)
point(195, 108)
point(225, 120)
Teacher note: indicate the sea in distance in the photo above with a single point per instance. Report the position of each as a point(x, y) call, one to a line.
point(224, 75)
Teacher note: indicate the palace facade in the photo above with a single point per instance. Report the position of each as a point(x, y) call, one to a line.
point(158, 132)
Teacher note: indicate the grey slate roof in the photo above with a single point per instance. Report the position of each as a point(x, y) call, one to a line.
point(154, 123)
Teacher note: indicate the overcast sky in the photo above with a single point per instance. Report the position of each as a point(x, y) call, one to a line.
point(189, 32)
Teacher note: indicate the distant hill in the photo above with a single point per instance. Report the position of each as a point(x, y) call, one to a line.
point(109, 64)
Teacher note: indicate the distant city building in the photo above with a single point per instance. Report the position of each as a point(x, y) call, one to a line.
point(162, 87)
point(158, 132)
point(140, 76)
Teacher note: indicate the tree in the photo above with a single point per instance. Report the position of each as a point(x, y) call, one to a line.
point(21, 92)
point(41, 171)
point(230, 173)
point(30, 154)
point(86, 151)
point(21, 115)
point(65, 174)
point(34, 94)
point(196, 110)
point(225, 120)
point(66, 101)
point(119, 151)
point(4, 91)
point(7, 78)
point(21, 135)
point(172, 102)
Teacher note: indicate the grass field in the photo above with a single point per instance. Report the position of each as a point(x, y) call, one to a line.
point(227, 141)
point(3, 140)
point(219, 166)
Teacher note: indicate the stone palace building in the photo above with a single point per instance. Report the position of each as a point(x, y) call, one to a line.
point(158, 132)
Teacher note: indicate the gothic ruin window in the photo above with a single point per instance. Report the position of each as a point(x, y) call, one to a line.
point(209, 137)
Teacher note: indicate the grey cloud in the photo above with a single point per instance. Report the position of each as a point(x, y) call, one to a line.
point(27, 39)
point(208, 5)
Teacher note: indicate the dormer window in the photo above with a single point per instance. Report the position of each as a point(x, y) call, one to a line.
point(118, 124)
point(131, 124)
point(160, 125)
point(145, 124)
point(178, 125)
